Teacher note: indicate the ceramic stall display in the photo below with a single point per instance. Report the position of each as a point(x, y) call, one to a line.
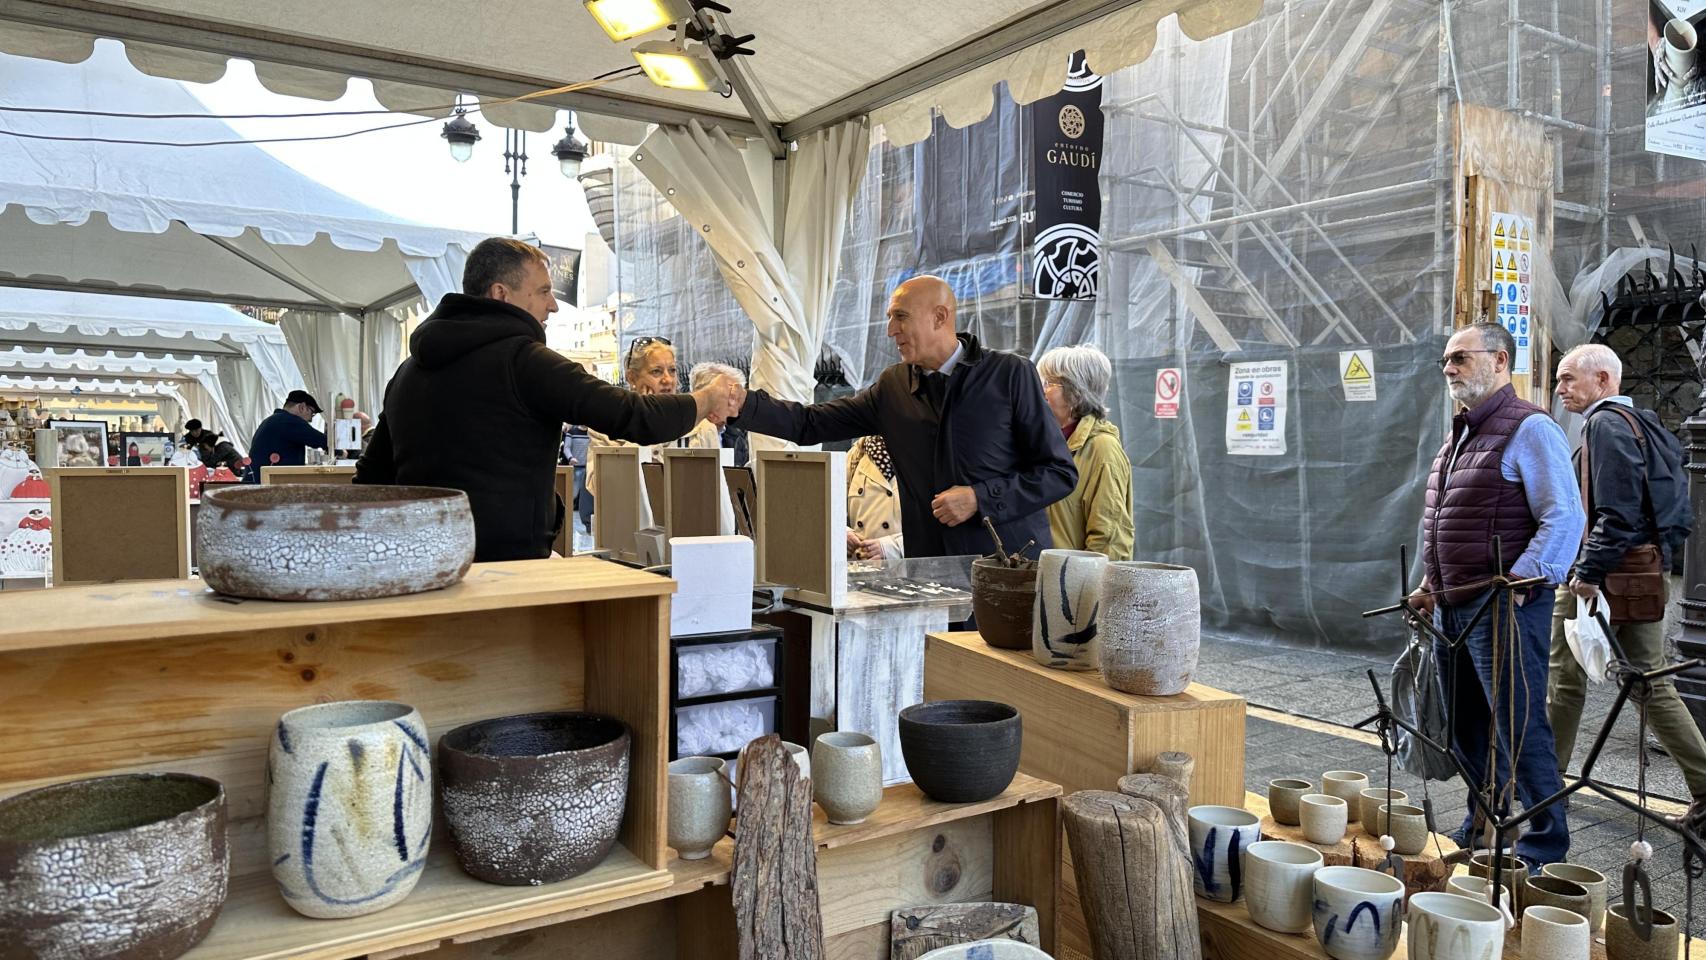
point(1219, 837)
point(847, 779)
point(534, 798)
point(1324, 818)
point(699, 807)
point(1283, 795)
point(1446, 927)
point(1357, 913)
point(1512, 872)
point(961, 751)
point(1279, 884)
point(1549, 891)
point(1368, 805)
point(349, 805)
point(1347, 785)
point(1475, 888)
point(1592, 880)
point(1555, 933)
point(1406, 825)
point(1150, 629)
point(1622, 942)
point(1069, 604)
point(126, 866)
point(1002, 598)
point(332, 542)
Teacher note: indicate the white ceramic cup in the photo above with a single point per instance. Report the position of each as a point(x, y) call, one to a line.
point(1555, 933)
point(1278, 884)
point(1595, 883)
point(698, 805)
point(1347, 785)
point(1324, 817)
point(1475, 888)
point(1444, 925)
point(1368, 805)
point(1357, 913)
point(1219, 837)
point(848, 784)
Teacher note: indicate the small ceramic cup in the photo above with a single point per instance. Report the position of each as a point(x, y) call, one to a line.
point(1595, 884)
point(698, 806)
point(1279, 884)
point(1347, 785)
point(1357, 913)
point(1368, 805)
point(1622, 943)
point(1555, 933)
point(1219, 837)
point(1512, 872)
point(1548, 891)
point(1475, 888)
point(1443, 925)
point(1323, 817)
point(1283, 796)
point(847, 779)
point(1407, 825)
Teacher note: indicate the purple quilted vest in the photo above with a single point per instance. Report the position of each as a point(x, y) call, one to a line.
point(1465, 511)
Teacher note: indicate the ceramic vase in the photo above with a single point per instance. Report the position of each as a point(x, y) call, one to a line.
point(1002, 599)
point(349, 806)
point(1219, 837)
point(1347, 785)
point(1680, 48)
point(1150, 629)
point(1279, 884)
point(847, 779)
point(699, 807)
point(1589, 879)
point(1446, 926)
point(1069, 603)
point(1283, 795)
point(1323, 818)
point(1406, 825)
point(1549, 891)
point(1368, 805)
point(1622, 942)
point(1357, 913)
point(1555, 933)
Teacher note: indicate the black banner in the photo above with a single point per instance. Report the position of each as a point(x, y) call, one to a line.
point(1066, 153)
point(565, 271)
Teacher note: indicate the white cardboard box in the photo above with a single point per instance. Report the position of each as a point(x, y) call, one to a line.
point(714, 578)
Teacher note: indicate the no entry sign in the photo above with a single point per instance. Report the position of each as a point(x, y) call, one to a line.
point(1167, 384)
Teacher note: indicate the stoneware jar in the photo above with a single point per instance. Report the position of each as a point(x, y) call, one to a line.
point(1283, 795)
point(1069, 603)
point(1357, 913)
point(699, 808)
point(1279, 884)
point(534, 798)
point(1150, 629)
point(1002, 599)
point(961, 751)
point(127, 866)
point(1219, 837)
point(1555, 933)
point(1549, 891)
point(1368, 805)
point(1446, 927)
point(1589, 879)
point(1623, 943)
point(1406, 825)
point(847, 775)
point(1323, 817)
point(1347, 785)
point(349, 806)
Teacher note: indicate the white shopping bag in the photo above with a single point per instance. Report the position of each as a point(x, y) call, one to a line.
point(1588, 642)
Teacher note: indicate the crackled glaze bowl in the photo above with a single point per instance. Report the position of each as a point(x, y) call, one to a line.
point(332, 542)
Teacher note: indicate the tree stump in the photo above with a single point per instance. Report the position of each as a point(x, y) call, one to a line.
point(1175, 765)
point(915, 931)
point(1131, 859)
point(1173, 796)
point(1341, 854)
point(775, 865)
point(1425, 872)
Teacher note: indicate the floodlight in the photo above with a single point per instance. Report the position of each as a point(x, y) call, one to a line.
point(627, 19)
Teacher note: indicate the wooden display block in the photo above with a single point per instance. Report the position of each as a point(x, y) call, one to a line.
point(802, 523)
point(166, 676)
point(619, 510)
point(1425, 872)
point(696, 497)
point(120, 523)
point(324, 473)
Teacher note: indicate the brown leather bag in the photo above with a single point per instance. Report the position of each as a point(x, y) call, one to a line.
point(1635, 591)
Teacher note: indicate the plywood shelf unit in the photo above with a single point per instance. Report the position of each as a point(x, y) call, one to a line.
point(162, 675)
point(324, 473)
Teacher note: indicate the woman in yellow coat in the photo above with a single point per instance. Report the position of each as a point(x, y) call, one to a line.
point(1097, 514)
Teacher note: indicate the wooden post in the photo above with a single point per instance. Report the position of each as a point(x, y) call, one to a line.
point(1132, 862)
point(775, 867)
point(1174, 765)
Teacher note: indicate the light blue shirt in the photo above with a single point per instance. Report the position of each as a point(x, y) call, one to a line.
point(947, 368)
point(1538, 457)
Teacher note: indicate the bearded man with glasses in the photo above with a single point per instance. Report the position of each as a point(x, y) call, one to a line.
point(1502, 477)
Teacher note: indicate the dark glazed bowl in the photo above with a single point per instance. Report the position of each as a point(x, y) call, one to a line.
point(131, 866)
point(1001, 600)
point(961, 751)
point(535, 798)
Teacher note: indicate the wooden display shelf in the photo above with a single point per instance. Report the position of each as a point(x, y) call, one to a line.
point(324, 473)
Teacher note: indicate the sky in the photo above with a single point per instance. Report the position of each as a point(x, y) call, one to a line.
point(409, 171)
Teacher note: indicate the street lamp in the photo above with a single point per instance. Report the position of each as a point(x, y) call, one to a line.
point(515, 164)
point(569, 151)
point(461, 135)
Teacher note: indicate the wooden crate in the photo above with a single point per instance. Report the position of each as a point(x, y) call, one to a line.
point(1084, 735)
point(802, 523)
point(325, 473)
point(112, 524)
point(165, 676)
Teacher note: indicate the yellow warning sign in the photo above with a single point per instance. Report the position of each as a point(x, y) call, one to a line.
point(1244, 420)
point(1525, 231)
point(1498, 228)
point(1355, 370)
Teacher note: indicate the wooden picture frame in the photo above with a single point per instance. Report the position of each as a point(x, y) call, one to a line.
point(657, 494)
point(153, 449)
point(696, 497)
point(742, 487)
point(564, 483)
point(325, 473)
point(93, 431)
point(120, 523)
point(802, 523)
point(619, 510)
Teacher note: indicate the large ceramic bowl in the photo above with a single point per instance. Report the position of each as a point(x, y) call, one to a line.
point(1357, 913)
point(332, 542)
point(961, 751)
point(132, 866)
point(534, 798)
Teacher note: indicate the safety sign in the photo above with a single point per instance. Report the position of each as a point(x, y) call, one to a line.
point(1167, 384)
point(1255, 408)
point(1512, 245)
point(1356, 374)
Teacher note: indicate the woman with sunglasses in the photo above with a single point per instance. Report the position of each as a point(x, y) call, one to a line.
point(649, 369)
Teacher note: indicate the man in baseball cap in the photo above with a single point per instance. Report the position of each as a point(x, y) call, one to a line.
point(283, 438)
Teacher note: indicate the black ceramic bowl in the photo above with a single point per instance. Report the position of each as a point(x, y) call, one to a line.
point(132, 865)
point(961, 751)
point(535, 798)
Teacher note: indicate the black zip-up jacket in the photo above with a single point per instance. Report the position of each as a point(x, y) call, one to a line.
point(1637, 497)
point(479, 406)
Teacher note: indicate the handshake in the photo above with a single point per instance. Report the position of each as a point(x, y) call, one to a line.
point(720, 400)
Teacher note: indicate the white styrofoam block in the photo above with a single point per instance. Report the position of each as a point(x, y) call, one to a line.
point(711, 565)
point(709, 613)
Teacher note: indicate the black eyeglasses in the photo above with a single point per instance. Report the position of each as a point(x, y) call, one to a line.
point(1458, 358)
point(639, 342)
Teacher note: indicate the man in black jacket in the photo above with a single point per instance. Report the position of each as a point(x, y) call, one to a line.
point(480, 403)
point(1638, 496)
point(968, 430)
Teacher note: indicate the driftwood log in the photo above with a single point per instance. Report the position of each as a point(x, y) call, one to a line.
point(915, 931)
point(775, 866)
point(1425, 872)
point(1131, 859)
point(1173, 797)
point(1175, 765)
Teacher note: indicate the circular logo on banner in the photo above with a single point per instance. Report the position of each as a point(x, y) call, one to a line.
point(1065, 263)
point(1072, 121)
point(1078, 75)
